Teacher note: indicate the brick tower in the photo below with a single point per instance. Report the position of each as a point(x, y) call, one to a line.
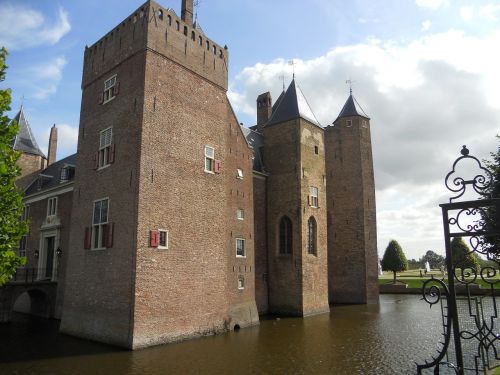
point(296, 213)
point(161, 245)
point(352, 235)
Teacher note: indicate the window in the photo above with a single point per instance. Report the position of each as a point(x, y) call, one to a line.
point(22, 246)
point(52, 207)
point(314, 197)
point(311, 235)
point(241, 283)
point(105, 147)
point(109, 89)
point(240, 214)
point(316, 150)
point(185, 30)
point(200, 40)
point(99, 221)
point(26, 213)
point(160, 14)
point(348, 123)
point(67, 173)
point(209, 159)
point(177, 25)
point(193, 35)
point(169, 19)
point(239, 173)
point(240, 248)
point(162, 239)
point(285, 238)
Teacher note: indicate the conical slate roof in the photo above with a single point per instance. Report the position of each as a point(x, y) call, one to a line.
point(25, 141)
point(292, 104)
point(352, 108)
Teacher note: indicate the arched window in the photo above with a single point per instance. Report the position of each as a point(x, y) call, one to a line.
point(169, 19)
point(285, 235)
point(311, 235)
point(200, 40)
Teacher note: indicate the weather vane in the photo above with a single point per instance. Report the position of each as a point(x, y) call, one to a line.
point(292, 63)
point(196, 5)
point(282, 78)
point(349, 82)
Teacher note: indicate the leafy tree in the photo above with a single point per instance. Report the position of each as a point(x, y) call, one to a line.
point(492, 243)
point(11, 205)
point(394, 258)
point(461, 255)
point(435, 260)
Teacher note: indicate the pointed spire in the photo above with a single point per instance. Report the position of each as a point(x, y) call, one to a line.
point(292, 104)
point(24, 140)
point(351, 108)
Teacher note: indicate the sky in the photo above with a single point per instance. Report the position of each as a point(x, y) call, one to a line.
point(425, 71)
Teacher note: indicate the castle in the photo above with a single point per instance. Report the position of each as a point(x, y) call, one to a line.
point(175, 221)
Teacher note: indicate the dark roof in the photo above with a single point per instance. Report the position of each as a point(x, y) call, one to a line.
point(25, 141)
point(352, 108)
point(278, 101)
point(292, 105)
point(51, 176)
point(256, 141)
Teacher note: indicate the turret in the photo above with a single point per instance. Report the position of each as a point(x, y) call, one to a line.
point(352, 230)
point(264, 109)
point(187, 11)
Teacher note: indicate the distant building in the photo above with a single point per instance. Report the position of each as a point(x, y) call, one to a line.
point(174, 221)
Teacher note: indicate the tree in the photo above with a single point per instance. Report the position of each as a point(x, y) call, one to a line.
point(11, 204)
point(394, 258)
point(461, 255)
point(489, 216)
point(435, 260)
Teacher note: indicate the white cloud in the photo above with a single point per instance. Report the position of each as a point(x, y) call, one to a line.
point(467, 13)
point(490, 11)
point(45, 78)
point(24, 27)
point(67, 139)
point(426, 98)
point(426, 25)
point(431, 4)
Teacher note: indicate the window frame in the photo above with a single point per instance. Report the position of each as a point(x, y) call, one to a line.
point(239, 173)
point(241, 283)
point(314, 197)
point(240, 214)
point(242, 241)
point(104, 150)
point(51, 208)
point(209, 158)
point(160, 246)
point(108, 92)
point(312, 236)
point(100, 226)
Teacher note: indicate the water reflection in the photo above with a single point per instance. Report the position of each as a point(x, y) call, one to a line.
point(361, 339)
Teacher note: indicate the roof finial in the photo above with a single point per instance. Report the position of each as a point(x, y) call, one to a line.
point(22, 100)
point(196, 5)
point(282, 77)
point(292, 63)
point(349, 82)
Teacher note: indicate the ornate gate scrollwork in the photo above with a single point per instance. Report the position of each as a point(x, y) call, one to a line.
point(470, 321)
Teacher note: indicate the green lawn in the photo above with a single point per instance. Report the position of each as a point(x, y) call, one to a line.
point(413, 280)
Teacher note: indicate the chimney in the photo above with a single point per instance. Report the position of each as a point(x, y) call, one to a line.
point(264, 109)
point(52, 145)
point(187, 12)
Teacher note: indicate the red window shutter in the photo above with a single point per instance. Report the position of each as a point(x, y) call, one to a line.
point(116, 89)
point(217, 166)
point(100, 100)
point(109, 235)
point(87, 239)
point(308, 201)
point(96, 160)
point(153, 238)
point(112, 154)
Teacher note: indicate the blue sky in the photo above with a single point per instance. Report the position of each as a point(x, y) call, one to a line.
point(426, 71)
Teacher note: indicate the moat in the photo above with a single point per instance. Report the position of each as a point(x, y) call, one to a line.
point(360, 339)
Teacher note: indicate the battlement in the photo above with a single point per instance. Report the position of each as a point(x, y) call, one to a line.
point(152, 27)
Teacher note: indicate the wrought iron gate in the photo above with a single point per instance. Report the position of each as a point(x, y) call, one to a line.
point(470, 320)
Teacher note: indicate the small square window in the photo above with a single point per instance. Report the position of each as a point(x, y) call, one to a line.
point(314, 196)
point(209, 159)
point(348, 123)
point(240, 214)
point(241, 283)
point(162, 239)
point(239, 173)
point(240, 248)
